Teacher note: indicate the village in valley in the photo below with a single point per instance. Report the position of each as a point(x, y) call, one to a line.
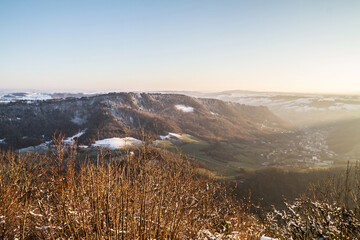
point(306, 148)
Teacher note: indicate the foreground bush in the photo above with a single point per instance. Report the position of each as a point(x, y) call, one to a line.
point(148, 194)
point(331, 210)
point(306, 219)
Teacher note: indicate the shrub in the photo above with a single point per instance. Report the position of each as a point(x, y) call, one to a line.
point(145, 194)
point(330, 210)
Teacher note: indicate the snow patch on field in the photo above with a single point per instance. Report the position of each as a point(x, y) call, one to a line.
point(171, 136)
point(184, 108)
point(116, 143)
point(71, 140)
point(175, 137)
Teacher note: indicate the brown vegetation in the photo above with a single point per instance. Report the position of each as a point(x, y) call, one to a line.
point(145, 194)
point(331, 210)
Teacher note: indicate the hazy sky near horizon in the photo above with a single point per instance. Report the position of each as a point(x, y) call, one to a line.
point(208, 45)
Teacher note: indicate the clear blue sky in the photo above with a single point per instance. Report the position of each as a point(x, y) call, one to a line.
point(292, 45)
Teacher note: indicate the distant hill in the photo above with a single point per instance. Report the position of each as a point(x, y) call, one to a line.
point(298, 108)
point(24, 123)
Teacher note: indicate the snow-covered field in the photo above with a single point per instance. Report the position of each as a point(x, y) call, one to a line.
point(175, 138)
point(71, 140)
point(111, 143)
point(116, 143)
point(184, 108)
point(171, 136)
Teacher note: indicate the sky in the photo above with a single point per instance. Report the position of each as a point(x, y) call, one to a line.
point(198, 45)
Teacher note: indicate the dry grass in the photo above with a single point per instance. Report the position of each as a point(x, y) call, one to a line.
point(146, 195)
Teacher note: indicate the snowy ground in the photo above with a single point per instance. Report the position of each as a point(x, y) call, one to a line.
point(184, 108)
point(116, 143)
point(171, 136)
point(71, 140)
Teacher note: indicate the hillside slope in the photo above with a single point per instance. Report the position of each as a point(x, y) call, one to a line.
point(25, 124)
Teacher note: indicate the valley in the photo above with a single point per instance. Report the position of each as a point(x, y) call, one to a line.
point(228, 138)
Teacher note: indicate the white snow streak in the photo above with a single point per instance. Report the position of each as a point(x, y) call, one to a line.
point(184, 108)
point(116, 143)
